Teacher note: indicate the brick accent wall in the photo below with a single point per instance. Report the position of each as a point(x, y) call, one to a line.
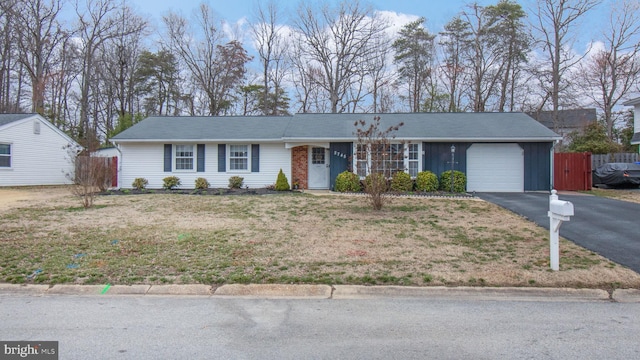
point(300, 166)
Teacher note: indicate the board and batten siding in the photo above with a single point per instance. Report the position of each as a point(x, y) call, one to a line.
point(36, 159)
point(147, 161)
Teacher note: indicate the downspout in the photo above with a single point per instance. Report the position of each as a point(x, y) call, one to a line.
point(553, 151)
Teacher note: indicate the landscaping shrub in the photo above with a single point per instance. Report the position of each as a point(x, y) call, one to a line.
point(202, 183)
point(171, 182)
point(235, 182)
point(347, 181)
point(426, 181)
point(282, 183)
point(140, 183)
point(401, 181)
point(459, 181)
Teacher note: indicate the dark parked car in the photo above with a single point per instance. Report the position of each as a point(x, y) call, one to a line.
point(617, 175)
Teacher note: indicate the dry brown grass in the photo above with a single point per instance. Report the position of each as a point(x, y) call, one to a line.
point(289, 238)
point(619, 194)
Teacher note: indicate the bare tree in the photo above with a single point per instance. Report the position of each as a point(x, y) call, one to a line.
point(97, 23)
point(11, 71)
point(338, 42)
point(611, 73)
point(40, 34)
point(271, 46)
point(555, 22)
point(216, 67)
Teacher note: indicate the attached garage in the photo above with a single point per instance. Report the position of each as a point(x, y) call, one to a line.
point(495, 168)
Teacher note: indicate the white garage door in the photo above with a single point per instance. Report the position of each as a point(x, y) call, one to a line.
point(495, 168)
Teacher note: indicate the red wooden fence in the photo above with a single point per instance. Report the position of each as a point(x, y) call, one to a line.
point(572, 171)
point(114, 171)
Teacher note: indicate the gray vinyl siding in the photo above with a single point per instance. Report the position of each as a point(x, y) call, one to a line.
point(437, 157)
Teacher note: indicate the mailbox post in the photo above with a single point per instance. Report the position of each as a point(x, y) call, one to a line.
point(559, 211)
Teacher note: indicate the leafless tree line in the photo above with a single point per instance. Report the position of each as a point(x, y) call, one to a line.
point(99, 71)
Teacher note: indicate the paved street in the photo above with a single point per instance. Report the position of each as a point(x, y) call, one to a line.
point(606, 226)
point(202, 327)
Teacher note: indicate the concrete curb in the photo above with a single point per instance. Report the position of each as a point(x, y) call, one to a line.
point(193, 289)
point(275, 291)
point(627, 295)
point(337, 292)
point(477, 293)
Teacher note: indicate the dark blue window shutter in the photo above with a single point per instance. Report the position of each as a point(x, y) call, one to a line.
point(222, 157)
point(255, 158)
point(167, 157)
point(200, 157)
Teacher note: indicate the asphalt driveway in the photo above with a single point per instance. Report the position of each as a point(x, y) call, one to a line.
point(606, 226)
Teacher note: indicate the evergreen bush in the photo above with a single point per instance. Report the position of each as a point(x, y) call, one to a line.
point(459, 181)
point(282, 183)
point(401, 182)
point(427, 181)
point(347, 181)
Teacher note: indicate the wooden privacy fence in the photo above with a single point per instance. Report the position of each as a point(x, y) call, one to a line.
point(572, 171)
point(599, 159)
point(97, 171)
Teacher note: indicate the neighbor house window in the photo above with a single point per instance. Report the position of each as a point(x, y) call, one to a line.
point(413, 159)
point(238, 157)
point(5, 155)
point(184, 157)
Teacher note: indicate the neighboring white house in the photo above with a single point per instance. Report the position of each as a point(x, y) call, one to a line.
point(33, 151)
point(635, 140)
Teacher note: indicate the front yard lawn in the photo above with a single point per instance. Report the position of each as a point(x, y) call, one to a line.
point(287, 238)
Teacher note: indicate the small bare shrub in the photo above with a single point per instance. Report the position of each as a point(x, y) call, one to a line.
point(171, 182)
point(235, 182)
point(140, 183)
point(202, 183)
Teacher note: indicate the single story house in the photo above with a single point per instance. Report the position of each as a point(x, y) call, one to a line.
point(635, 140)
point(569, 121)
point(506, 152)
point(33, 151)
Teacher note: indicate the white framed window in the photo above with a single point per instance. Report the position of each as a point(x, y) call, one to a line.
point(389, 160)
point(5, 156)
point(238, 158)
point(413, 159)
point(184, 157)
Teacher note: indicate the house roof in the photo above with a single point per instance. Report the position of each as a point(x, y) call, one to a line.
point(337, 127)
point(424, 126)
point(9, 118)
point(567, 119)
point(160, 128)
point(635, 140)
point(632, 102)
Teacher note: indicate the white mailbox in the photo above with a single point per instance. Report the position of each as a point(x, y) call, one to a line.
point(559, 211)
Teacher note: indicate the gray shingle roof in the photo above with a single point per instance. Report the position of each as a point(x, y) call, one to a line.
point(9, 118)
point(207, 128)
point(636, 138)
point(334, 127)
point(427, 126)
point(567, 119)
